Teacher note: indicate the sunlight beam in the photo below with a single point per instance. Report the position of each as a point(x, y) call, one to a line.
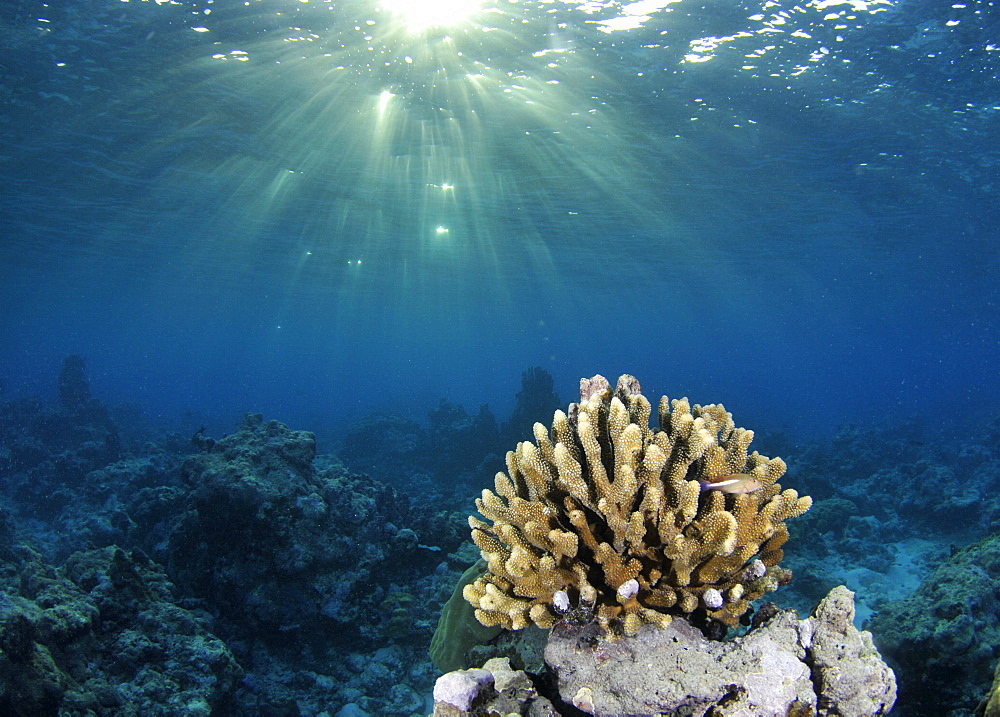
point(420, 15)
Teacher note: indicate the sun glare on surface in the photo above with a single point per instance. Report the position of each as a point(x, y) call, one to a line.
point(419, 15)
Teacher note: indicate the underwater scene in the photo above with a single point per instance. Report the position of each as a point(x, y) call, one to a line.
point(493, 357)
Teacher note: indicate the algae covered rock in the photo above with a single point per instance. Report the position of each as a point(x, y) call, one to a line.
point(101, 636)
point(850, 676)
point(945, 637)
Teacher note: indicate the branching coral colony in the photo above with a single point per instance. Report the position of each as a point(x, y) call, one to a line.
point(605, 518)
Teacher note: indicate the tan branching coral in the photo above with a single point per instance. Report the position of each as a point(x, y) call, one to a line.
point(605, 518)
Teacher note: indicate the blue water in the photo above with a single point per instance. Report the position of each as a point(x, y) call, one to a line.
point(800, 223)
point(318, 210)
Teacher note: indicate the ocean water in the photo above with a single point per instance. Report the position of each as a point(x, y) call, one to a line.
point(312, 208)
point(317, 210)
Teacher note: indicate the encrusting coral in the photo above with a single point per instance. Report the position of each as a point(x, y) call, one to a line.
point(606, 519)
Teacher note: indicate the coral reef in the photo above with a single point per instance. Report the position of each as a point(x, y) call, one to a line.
point(457, 441)
point(248, 554)
point(320, 582)
point(604, 518)
point(103, 636)
point(888, 471)
point(74, 391)
point(306, 550)
point(783, 666)
point(455, 453)
point(455, 449)
point(384, 445)
point(945, 637)
point(889, 519)
point(342, 567)
point(43, 450)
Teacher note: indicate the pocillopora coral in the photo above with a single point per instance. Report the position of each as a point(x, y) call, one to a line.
point(605, 518)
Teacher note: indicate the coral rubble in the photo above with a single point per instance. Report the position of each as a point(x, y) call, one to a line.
point(606, 518)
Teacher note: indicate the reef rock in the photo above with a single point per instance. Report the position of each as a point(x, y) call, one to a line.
point(303, 551)
point(494, 689)
point(784, 666)
point(103, 635)
point(944, 637)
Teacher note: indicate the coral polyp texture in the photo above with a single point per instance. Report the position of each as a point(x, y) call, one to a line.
point(604, 518)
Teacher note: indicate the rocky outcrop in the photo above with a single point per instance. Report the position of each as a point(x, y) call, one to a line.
point(783, 666)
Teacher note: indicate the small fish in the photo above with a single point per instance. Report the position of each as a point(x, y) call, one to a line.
point(735, 484)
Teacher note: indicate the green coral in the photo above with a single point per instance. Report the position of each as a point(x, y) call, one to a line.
point(458, 631)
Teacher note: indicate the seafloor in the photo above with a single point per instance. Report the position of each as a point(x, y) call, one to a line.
point(244, 574)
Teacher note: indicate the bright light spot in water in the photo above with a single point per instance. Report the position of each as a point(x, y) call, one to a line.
point(442, 230)
point(383, 102)
point(423, 14)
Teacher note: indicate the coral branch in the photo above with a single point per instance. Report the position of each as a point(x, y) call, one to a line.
point(606, 511)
